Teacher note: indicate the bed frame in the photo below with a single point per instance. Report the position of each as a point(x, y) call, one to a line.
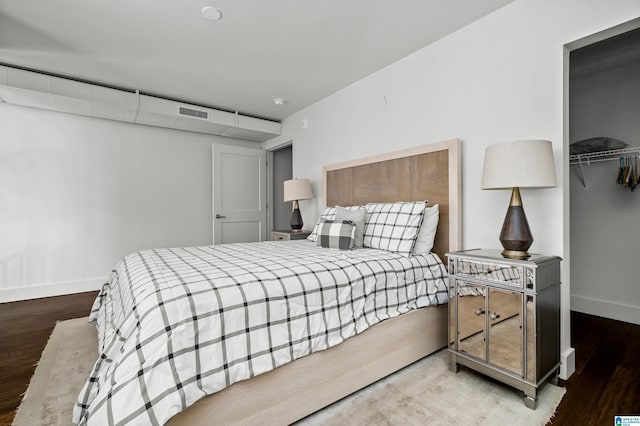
point(295, 390)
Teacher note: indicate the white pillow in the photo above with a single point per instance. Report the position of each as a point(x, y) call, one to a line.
point(427, 232)
point(356, 215)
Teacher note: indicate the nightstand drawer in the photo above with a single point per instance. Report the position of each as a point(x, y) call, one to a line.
point(288, 235)
point(511, 275)
point(277, 236)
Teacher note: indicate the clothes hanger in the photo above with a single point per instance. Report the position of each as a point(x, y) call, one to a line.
point(627, 171)
point(634, 177)
point(620, 171)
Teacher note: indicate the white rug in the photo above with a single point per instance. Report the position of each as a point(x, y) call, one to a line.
point(423, 393)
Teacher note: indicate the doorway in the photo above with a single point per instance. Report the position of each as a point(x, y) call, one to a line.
point(281, 170)
point(604, 106)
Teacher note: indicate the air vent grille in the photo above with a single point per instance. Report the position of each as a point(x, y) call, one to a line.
point(190, 112)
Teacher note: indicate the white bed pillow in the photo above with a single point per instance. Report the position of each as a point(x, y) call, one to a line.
point(427, 232)
point(356, 214)
point(393, 226)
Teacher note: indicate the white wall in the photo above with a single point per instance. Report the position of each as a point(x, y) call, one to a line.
point(78, 193)
point(605, 236)
point(496, 80)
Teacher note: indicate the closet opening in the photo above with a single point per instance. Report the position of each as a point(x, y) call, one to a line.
point(604, 146)
point(281, 163)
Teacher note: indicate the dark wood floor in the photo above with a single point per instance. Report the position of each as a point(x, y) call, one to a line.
point(606, 381)
point(607, 377)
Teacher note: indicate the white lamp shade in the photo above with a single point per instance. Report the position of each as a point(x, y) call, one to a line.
point(297, 189)
point(523, 164)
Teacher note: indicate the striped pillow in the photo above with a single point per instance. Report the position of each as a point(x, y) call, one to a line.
point(338, 234)
point(393, 226)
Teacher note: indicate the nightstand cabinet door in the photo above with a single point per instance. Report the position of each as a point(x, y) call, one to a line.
point(505, 330)
point(471, 320)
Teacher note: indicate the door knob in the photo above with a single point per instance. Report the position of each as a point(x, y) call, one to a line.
point(220, 217)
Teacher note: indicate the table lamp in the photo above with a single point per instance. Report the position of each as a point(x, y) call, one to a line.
point(295, 190)
point(523, 164)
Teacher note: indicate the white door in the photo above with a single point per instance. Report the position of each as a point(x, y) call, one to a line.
point(239, 194)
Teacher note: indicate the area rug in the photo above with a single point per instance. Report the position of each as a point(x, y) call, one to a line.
point(426, 392)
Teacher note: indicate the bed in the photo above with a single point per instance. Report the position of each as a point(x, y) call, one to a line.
point(285, 382)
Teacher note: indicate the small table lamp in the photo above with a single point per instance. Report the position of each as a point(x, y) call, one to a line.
point(295, 190)
point(515, 165)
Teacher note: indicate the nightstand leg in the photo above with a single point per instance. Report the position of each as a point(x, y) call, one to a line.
point(530, 402)
point(454, 367)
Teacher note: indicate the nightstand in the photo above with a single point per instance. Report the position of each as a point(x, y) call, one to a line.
point(288, 235)
point(504, 317)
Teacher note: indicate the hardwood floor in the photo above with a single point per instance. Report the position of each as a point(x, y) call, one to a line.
point(607, 377)
point(24, 330)
point(606, 381)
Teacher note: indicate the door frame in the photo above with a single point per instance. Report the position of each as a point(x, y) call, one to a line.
point(568, 358)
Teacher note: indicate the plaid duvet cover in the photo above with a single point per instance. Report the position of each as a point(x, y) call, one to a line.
point(175, 325)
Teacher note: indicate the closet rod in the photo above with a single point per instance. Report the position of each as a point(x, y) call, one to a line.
point(594, 157)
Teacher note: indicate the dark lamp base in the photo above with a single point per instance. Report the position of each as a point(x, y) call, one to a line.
point(516, 236)
point(296, 219)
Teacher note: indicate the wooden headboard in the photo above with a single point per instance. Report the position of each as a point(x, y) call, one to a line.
point(429, 172)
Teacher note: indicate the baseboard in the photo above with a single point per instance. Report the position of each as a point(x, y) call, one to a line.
point(606, 309)
point(567, 363)
point(48, 290)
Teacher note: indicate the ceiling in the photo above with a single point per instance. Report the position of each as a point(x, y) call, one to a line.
point(298, 50)
point(617, 51)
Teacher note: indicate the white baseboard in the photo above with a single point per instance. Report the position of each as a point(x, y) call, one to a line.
point(567, 363)
point(606, 309)
point(47, 290)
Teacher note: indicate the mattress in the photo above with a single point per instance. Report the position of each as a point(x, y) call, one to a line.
point(177, 324)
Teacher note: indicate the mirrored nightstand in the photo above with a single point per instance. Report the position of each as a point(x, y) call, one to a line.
point(504, 317)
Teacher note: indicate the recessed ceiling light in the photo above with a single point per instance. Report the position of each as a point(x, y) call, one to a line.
point(211, 13)
point(279, 101)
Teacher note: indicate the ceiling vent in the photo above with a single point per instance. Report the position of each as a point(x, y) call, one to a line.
point(39, 90)
point(167, 113)
point(195, 113)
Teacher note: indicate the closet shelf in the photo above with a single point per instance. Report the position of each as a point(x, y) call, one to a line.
point(596, 157)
